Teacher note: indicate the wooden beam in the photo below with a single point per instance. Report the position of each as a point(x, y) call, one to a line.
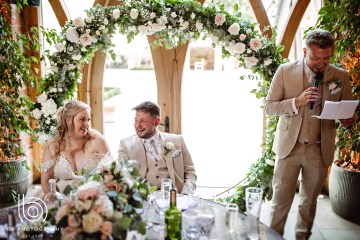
point(32, 19)
point(261, 16)
point(292, 23)
point(59, 10)
point(96, 91)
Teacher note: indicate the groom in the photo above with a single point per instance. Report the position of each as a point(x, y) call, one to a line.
point(160, 155)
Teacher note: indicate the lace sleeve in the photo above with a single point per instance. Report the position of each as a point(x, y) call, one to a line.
point(45, 166)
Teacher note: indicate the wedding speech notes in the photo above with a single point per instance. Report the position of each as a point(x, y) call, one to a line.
point(338, 110)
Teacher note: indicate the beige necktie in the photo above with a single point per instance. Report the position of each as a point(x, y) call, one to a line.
point(151, 148)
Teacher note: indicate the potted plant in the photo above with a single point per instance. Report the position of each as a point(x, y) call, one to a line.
point(344, 180)
point(15, 105)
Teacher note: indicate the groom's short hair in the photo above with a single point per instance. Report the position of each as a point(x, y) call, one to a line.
point(148, 107)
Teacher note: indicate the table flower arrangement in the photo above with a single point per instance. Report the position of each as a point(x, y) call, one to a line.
point(105, 206)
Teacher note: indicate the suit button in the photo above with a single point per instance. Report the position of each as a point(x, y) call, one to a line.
point(157, 176)
point(156, 165)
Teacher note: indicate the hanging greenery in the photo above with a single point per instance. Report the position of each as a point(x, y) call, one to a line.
point(173, 22)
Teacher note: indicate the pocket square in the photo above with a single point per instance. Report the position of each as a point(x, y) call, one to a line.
point(176, 153)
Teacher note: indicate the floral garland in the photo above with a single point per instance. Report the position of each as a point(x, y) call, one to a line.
point(173, 22)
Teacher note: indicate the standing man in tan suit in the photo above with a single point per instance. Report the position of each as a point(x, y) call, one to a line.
point(304, 144)
point(160, 155)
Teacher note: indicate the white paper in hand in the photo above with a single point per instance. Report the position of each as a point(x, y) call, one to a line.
point(338, 110)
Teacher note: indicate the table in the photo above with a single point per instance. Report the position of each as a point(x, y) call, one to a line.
point(219, 230)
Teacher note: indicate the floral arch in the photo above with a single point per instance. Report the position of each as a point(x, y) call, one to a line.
point(172, 22)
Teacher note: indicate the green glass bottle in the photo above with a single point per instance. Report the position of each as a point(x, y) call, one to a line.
point(173, 219)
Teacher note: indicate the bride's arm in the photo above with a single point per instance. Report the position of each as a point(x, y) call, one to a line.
point(47, 167)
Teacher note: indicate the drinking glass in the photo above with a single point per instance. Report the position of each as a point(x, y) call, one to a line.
point(190, 225)
point(161, 200)
point(206, 220)
point(166, 184)
point(193, 199)
point(253, 198)
point(232, 210)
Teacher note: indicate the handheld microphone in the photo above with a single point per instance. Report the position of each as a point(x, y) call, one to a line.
point(316, 83)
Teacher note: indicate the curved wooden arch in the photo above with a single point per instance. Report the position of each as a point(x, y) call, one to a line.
point(168, 64)
point(292, 24)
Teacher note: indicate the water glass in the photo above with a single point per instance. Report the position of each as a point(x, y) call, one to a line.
point(193, 199)
point(232, 210)
point(206, 220)
point(166, 184)
point(190, 226)
point(253, 198)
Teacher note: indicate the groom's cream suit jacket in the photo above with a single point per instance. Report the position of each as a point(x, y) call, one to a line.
point(288, 84)
point(178, 160)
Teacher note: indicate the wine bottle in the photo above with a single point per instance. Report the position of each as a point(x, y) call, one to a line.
point(53, 199)
point(173, 219)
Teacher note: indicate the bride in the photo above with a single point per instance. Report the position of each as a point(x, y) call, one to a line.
point(76, 148)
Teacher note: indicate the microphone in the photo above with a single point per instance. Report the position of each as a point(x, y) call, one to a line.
point(316, 83)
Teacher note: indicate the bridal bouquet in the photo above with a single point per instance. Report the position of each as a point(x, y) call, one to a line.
point(107, 206)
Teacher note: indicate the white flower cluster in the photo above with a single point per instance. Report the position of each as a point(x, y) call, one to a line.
point(172, 22)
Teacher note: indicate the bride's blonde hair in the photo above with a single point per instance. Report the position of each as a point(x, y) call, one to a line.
point(65, 116)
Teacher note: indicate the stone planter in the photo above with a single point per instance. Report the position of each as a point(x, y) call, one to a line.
point(344, 193)
point(17, 182)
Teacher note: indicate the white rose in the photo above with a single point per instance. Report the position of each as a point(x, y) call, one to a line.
point(97, 32)
point(164, 19)
point(132, 28)
point(92, 222)
point(255, 44)
point(192, 16)
point(42, 98)
point(152, 15)
point(234, 29)
point(116, 13)
point(184, 25)
point(82, 205)
point(59, 47)
point(270, 162)
point(134, 13)
point(70, 48)
point(87, 30)
point(219, 19)
point(242, 37)
point(49, 107)
point(173, 14)
point(70, 66)
point(85, 39)
point(199, 25)
point(79, 22)
point(267, 62)
point(72, 35)
point(36, 113)
point(237, 48)
point(250, 61)
point(54, 69)
point(76, 57)
point(106, 22)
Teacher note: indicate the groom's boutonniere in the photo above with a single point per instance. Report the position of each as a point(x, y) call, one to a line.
point(334, 86)
point(168, 146)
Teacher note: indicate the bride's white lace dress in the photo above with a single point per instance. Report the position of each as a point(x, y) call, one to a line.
point(64, 173)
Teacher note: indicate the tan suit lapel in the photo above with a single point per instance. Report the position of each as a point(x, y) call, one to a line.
point(168, 159)
point(328, 75)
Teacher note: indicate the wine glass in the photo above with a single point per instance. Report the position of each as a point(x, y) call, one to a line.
point(161, 200)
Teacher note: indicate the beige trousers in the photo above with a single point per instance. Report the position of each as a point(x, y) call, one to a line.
point(307, 160)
